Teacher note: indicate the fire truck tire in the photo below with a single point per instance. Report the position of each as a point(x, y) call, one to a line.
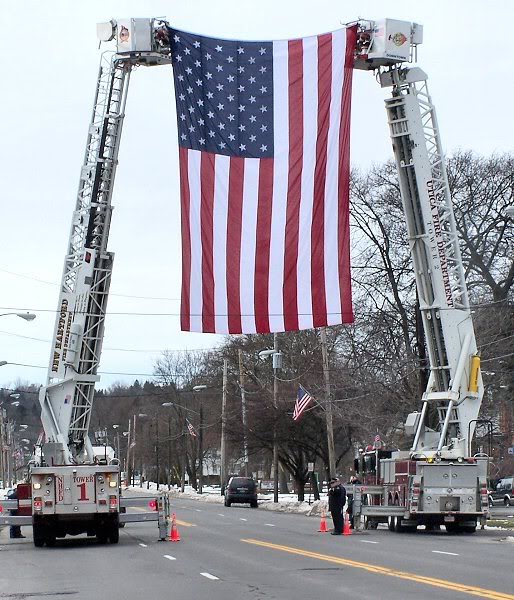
point(49, 534)
point(39, 535)
point(114, 534)
point(391, 523)
point(102, 536)
point(469, 528)
point(399, 528)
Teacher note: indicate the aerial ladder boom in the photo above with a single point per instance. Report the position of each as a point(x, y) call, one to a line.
point(73, 491)
point(455, 387)
point(67, 399)
point(438, 481)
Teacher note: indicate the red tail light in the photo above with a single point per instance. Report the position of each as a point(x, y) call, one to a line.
point(152, 505)
point(38, 504)
point(113, 502)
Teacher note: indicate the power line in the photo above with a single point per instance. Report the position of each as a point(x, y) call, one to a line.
point(111, 293)
point(161, 350)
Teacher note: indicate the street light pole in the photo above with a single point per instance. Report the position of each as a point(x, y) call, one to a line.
point(223, 451)
point(243, 411)
point(157, 449)
point(200, 449)
point(275, 406)
point(169, 453)
point(328, 405)
point(198, 388)
point(277, 364)
point(117, 430)
point(2, 462)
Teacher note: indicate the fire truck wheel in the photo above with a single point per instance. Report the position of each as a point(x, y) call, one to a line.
point(102, 536)
point(399, 528)
point(50, 540)
point(114, 534)
point(39, 535)
point(469, 528)
point(391, 523)
point(452, 527)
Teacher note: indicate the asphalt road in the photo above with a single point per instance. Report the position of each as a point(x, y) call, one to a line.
point(242, 553)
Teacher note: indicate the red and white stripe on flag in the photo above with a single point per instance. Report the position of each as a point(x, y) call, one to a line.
point(265, 241)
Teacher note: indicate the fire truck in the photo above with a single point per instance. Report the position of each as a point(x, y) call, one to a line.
point(438, 481)
point(73, 490)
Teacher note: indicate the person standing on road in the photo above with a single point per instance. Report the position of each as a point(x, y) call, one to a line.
point(15, 530)
point(336, 502)
point(354, 480)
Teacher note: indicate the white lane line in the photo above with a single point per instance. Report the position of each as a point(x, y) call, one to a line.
point(220, 515)
point(241, 519)
point(368, 542)
point(209, 576)
point(449, 553)
point(198, 510)
point(143, 545)
point(169, 557)
point(269, 524)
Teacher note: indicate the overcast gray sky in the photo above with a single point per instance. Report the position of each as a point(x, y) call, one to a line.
point(50, 60)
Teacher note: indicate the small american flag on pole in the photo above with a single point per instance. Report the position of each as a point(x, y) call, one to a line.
point(303, 399)
point(190, 428)
point(264, 140)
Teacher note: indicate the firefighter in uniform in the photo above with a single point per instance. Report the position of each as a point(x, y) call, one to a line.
point(336, 502)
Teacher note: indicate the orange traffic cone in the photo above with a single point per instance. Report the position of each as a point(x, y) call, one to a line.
point(346, 528)
point(323, 523)
point(174, 534)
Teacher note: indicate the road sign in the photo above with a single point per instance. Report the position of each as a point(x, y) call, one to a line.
point(510, 450)
point(310, 467)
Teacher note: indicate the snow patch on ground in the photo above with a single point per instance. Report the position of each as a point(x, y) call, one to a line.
point(286, 502)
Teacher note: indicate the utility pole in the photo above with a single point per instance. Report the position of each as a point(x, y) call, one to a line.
point(275, 405)
point(2, 463)
point(243, 410)
point(328, 405)
point(157, 449)
point(128, 469)
point(133, 444)
point(200, 449)
point(223, 451)
point(169, 452)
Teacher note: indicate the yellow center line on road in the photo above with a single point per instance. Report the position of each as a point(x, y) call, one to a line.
point(441, 583)
point(185, 523)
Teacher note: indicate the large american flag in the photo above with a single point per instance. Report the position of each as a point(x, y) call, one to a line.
point(263, 133)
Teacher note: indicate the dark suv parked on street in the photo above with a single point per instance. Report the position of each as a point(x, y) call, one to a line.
point(504, 492)
point(241, 490)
